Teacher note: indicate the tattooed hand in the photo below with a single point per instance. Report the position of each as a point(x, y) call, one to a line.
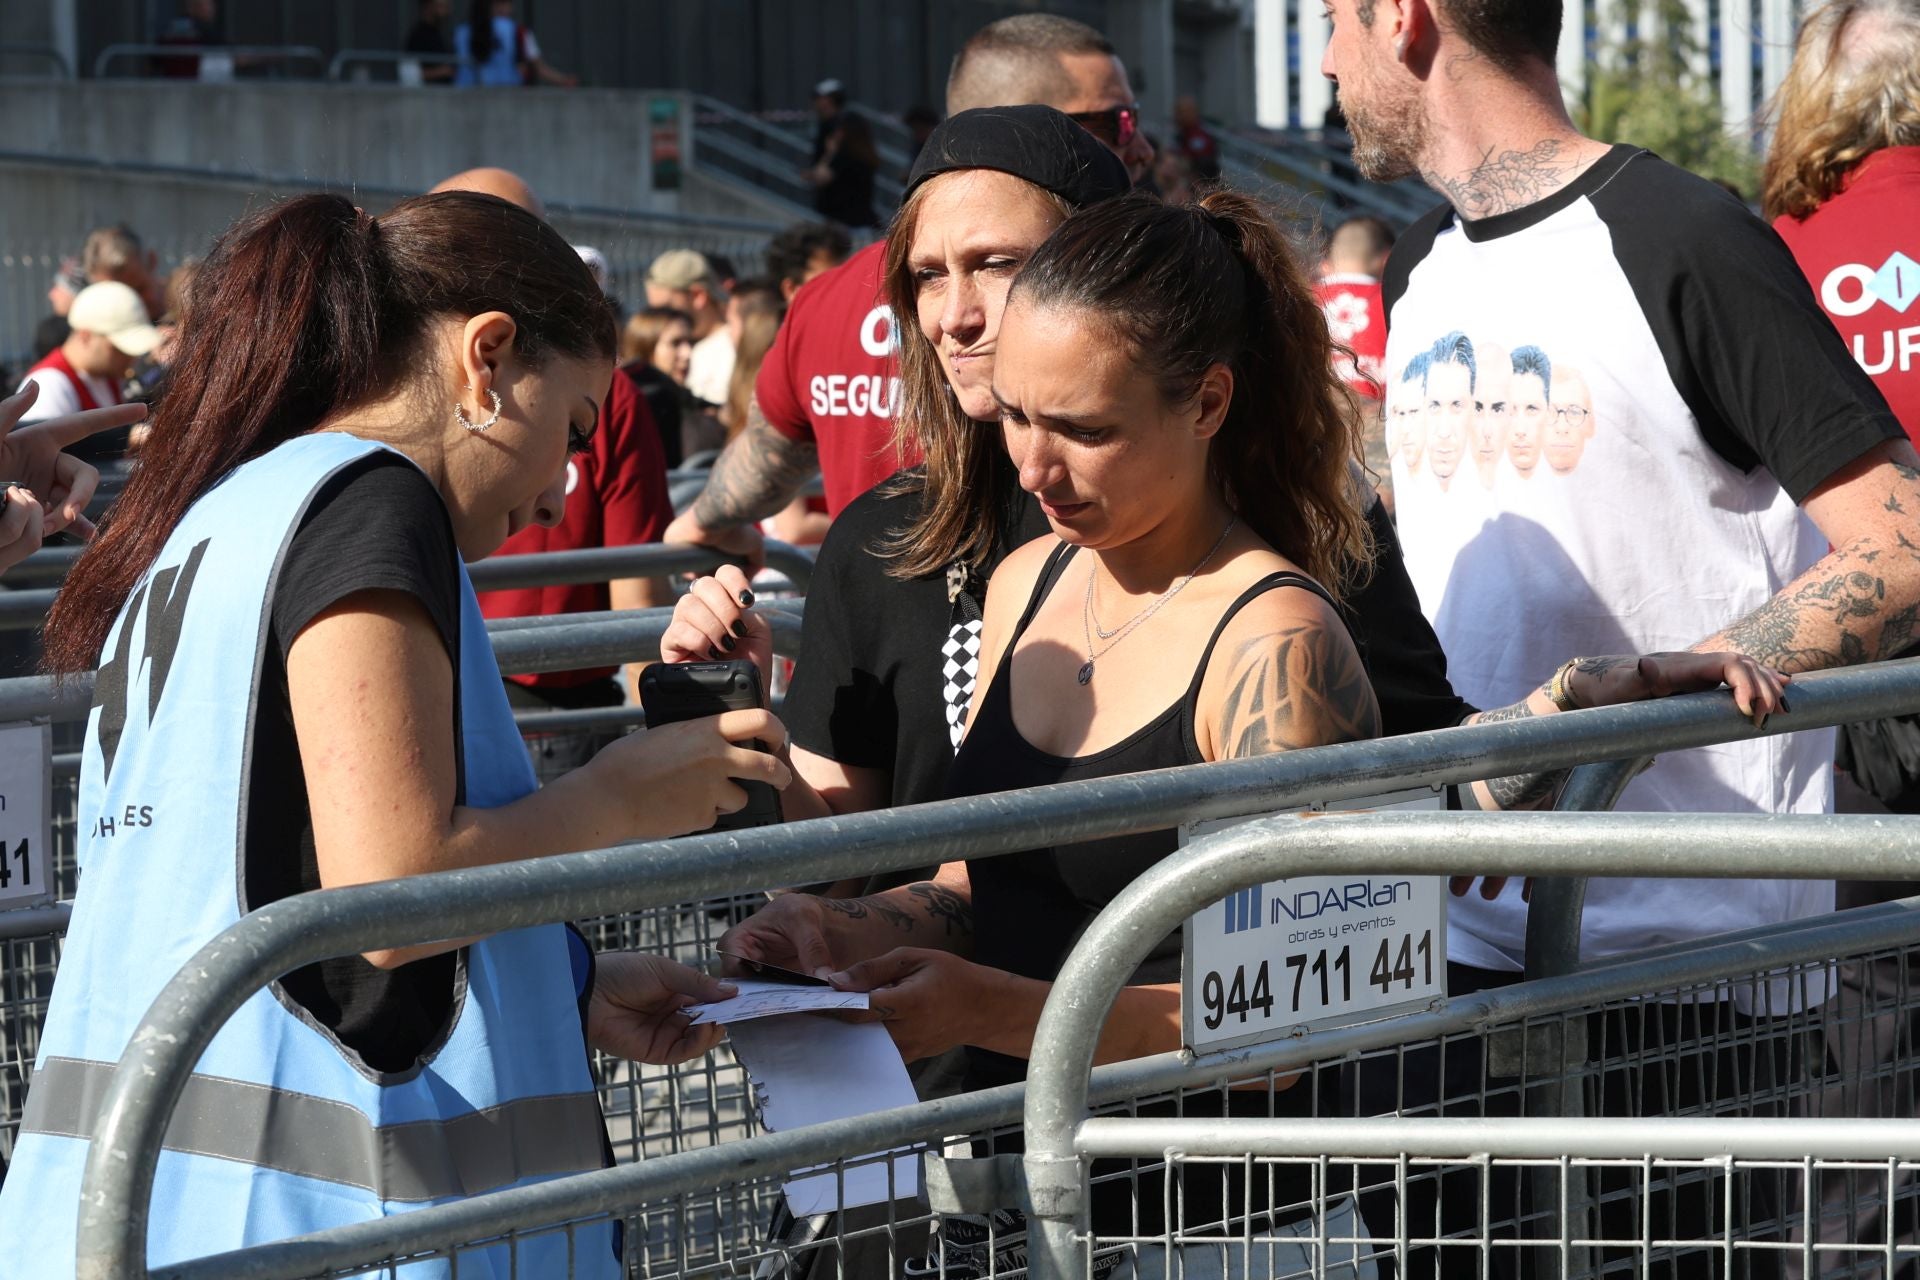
point(929, 1001)
point(1758, 690)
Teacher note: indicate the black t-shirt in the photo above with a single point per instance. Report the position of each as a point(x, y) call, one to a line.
point(869, 691)
point(428, 37)
point(377, 524)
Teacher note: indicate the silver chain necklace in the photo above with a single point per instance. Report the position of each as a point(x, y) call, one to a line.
point(1089, 626)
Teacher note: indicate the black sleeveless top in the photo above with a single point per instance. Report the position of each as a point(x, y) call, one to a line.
point(1030, 908)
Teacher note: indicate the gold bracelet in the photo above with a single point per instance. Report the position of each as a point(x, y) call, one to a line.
point(1557, 692)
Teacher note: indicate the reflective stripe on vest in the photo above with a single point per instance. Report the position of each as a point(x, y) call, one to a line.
point(319, 1138)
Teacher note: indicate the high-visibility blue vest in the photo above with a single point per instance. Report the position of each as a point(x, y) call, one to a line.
point(282, 1129)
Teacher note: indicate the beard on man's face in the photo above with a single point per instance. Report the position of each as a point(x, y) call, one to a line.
point(1386, 143)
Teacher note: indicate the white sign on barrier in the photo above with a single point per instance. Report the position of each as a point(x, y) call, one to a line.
point(26, 781)
point(1282, 957)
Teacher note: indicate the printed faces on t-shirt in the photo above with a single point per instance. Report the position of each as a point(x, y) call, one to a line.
point(1477, 413)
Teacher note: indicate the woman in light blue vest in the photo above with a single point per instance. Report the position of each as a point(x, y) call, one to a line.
point(497, 50)
point(295, 691)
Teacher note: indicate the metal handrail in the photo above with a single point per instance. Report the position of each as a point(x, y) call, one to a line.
point(340, 61)
point(250, 52)
point(1248, 157)
point(557, 644)
point(1431, 844)
point(44, 51)
point(310, 927)
point(658, 1179)
point(22, 609)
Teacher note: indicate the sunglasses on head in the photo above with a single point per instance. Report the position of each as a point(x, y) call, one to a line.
point(1115, 126)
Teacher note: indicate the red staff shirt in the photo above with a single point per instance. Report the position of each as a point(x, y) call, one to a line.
point(1357, 319)
point(831, 377)
point(1861, 252)
point(616, 496)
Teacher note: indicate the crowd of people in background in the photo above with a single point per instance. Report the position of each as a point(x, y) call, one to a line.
point(1075, 381)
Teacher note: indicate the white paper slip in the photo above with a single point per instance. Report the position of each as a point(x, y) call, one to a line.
point(811, 1070)
point(771, 999)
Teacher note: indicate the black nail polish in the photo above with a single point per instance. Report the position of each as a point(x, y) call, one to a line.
point(1783, 703)
point(715, 654)
point(746, 599)
point(727, 643)
point(740, 630)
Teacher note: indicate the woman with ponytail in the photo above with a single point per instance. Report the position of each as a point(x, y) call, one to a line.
point(295, 691)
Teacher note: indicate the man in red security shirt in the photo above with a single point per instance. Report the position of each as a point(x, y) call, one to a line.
point(824, 399)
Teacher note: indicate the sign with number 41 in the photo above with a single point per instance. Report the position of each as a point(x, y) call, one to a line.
point(1314, 951)
point(26, 781)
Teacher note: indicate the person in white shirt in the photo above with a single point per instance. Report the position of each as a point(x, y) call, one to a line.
point(686, 281)
point(110, 330)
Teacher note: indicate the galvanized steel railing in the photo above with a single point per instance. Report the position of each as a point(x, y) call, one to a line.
point(1060, 1137)
point(315, 926)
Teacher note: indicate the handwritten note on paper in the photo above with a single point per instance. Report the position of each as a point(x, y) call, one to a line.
point(811, 1070)
point(771, 999)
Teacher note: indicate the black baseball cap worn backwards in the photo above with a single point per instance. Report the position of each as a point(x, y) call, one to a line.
point(1032, 142)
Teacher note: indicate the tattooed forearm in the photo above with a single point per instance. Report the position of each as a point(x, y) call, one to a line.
point(1840, 612)
point(876, 907)
point(1520, 790)
point(944, 905)
point(756, 476)
point(1509, 180)
point(1299, 687)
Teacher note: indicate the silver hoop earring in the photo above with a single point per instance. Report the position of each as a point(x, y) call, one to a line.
point(460, 412)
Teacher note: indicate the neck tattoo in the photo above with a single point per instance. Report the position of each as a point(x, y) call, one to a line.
point(1088, 625)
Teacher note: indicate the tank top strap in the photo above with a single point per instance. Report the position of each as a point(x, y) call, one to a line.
point(1042, 588)
point(1273, 581)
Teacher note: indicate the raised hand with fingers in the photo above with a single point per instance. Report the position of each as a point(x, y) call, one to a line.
point(31, 456)
point(715, 621)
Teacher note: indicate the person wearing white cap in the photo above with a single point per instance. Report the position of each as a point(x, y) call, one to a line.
point(110, 330)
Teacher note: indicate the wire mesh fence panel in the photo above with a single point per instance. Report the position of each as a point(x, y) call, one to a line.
point(1307, 1224)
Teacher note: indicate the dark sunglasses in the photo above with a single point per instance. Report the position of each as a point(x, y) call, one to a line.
point(1116, 126)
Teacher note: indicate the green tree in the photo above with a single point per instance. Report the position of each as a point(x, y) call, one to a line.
point(1644, 91)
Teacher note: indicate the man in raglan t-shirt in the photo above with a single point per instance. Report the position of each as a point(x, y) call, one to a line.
point(1725, 438)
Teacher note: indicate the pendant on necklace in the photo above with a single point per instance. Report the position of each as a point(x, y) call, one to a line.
point(1086, 671)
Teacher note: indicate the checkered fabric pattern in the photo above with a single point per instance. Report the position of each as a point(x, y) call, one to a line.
point(958, 672)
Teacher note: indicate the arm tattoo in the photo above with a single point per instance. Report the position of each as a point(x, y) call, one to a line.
point(1787, 631)
point(756, 476)
point(1507, 181)
point(1299, 687)
point(1520, 790)
point(861, 908)
point(943, 904)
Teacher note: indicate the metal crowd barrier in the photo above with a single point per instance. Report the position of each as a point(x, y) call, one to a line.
point(27, 607)
point(406, 66)
point(233, 53)
point(1060, 1139)
point(721, 868)
point(41, 52)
